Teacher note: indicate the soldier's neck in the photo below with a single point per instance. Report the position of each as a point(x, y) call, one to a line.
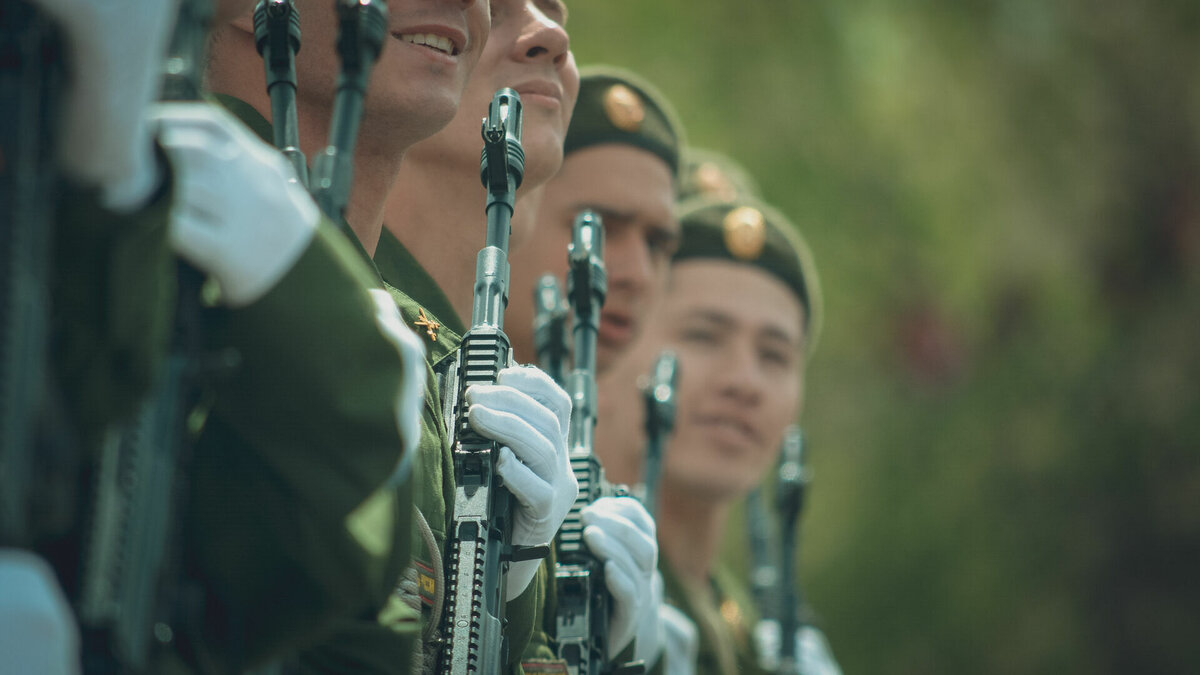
point(690, 532)
point(436, 209)
point(236, 69)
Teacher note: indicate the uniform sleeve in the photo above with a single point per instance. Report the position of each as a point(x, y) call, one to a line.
point(296, 520)
point(113, 299)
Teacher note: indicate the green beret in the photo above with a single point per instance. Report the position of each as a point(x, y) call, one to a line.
point(616, 106)
point(750, 232)
point(710, 174)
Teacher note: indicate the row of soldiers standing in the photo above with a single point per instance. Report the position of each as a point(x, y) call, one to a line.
point(225, 448)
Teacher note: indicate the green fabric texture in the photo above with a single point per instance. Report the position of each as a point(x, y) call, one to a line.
point(724, 616)
point(422, 300)
point(712, 175)
point(295, 518)
point(782, 252)
point(645, 121)
point(298, 521)
point(113, 290)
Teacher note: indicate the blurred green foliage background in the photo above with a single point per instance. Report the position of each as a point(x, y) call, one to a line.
point(1004, 414)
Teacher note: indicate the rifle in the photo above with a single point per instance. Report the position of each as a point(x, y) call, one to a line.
point(583, 600)
point(480, 539)
point(30, 86)
point(277, 37)
point(550, 327)
point(362, 28)
point(658, 393)
point(131, 591)
point(764, 578)
point(789, 502)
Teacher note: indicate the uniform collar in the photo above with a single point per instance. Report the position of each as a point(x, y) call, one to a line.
point(401, 271)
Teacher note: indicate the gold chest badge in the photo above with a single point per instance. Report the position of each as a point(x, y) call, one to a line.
point(745, 232)
point(428, 324)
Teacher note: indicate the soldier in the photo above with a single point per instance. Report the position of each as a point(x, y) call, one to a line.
point(742, 312)
point(297, 514)
point(622, 161)
point(433, 231)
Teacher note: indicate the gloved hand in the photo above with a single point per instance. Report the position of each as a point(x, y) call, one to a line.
point(410, 400)
point(37, 631)
point(117, 48)
point(619, 531)
point(528, 413)
point(814, 654)
point(681, 641)
point(236, 215)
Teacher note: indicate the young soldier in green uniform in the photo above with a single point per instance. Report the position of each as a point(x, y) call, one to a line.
point(741, 312)
point(298, 514)
point(414, 90)
point(434, 229)
point(621, 159)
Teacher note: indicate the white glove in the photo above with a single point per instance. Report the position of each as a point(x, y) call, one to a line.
point(236, 216)
point(117, 48)
point(814, 654)
point(681, 641)
point(410, 400)
point(619, 531)
point(37, 631)
point(528, 413)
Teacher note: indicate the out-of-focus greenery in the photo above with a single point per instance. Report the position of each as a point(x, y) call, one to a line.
point(1004, 414)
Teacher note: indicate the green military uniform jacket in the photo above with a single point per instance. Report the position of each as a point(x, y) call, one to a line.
point(298, 518)
point(725, 617)
point(427, 310)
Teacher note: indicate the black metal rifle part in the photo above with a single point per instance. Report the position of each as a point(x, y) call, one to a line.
point(277, 37)
point(132, 596)
point(480, 541)
point(550, 327)
point(584, 604)
point(362, 28)
point(789, 504)
point(658, 393)
point(31, 72)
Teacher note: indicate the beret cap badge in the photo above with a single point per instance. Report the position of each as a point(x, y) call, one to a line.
point(624, 108)
point(745, 232)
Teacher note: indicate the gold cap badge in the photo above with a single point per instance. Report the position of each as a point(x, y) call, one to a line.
point(624, 108)
point(745, 232)
point(712, 181)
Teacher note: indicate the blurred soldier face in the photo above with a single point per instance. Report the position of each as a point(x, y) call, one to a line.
point(633, 191)
point(431, 48)
point(738, 333)
point(529, 51)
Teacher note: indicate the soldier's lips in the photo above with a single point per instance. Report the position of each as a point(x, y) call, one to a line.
point(616, 330)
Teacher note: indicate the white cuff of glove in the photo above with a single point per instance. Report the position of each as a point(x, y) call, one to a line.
point(238, 216)
point(37, 630)
point(619, 531)
point(681, 641)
